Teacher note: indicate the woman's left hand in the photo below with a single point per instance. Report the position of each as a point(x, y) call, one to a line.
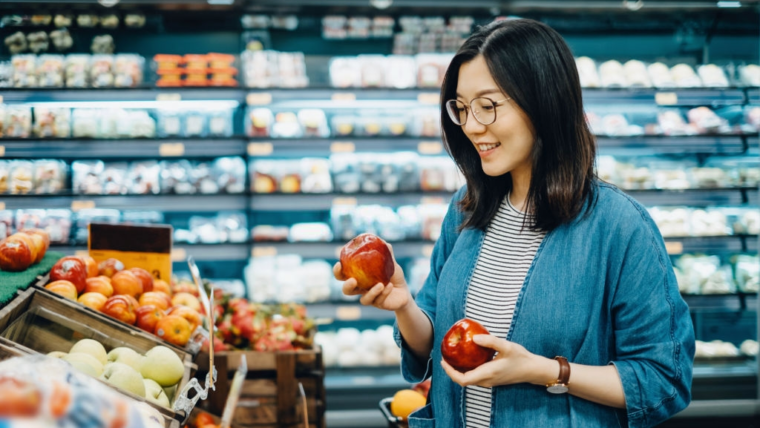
point(512, 364)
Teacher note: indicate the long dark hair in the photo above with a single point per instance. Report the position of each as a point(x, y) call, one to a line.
point(533, 65)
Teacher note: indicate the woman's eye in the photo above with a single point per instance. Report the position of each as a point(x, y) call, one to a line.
point(487, 108)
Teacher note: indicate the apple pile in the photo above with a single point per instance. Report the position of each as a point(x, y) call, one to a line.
point(253, 326)
point(23, 249)
point(132, 296)
point(204, 420)
point(153, 376)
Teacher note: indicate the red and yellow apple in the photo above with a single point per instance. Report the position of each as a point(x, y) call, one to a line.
point(121, 308)
point(110, 267)
point(186, 299)
point(148, 316)
point(145, 277)
point(460, 350)
point(185, 287)
point(64, 288)
point(191, 315)
point(134, 301)
point(40, 248)
point(91, 265)
point(43, 233)
point(125, 282)
point(15, 255)
point(99, 284)
point(157, 299)
point(173, 329)
point(368, 260)
point(72, 269)
point(93, 300)
point(162, 286)
point(29, 243)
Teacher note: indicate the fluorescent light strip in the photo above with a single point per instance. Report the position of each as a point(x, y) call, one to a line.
point(150, 104)
point(729, 4)
point(371, 104)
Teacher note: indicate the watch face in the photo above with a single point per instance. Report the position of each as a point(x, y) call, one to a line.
point(557, 389)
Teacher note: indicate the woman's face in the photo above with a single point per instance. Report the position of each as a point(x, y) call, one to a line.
point(505, 145)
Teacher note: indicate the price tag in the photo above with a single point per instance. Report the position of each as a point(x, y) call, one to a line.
point(342, 147)
point(363, 380)
point(2, 151)
point(432, 200)
point(263, 251)
point(666, 98)
point(260, 149)
point(178, 255)
point(674, 247)
point(81, 253)
point(82, 205)
point(345, 201)
point(171, 149)
point(427, 250)
point(344, 96)
point(348, 313)
point(259, 99)
point(2, 205)
point(169, 97)
point(430, 147)
point(429, 98)
point(1, 99)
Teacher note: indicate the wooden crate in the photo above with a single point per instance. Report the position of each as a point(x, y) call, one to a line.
point(270, 395)
point(59, 323)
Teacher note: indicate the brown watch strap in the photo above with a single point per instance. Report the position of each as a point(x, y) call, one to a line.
point(564, 371)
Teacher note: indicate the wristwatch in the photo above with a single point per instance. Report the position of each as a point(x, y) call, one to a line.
point(560, 385)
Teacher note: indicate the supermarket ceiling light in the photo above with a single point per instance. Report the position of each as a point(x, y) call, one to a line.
point(222, 2)
point(729, 4)
point(148, 104)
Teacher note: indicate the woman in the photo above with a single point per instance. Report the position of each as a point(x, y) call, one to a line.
point(552, 261)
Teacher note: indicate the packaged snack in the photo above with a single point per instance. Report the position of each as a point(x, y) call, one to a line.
point(21, 179)
point(230, 174)
point(86, 177)
point(750, 75)
point(370, 125)
point(752, 117)
point(263, 178)
point(169, 70)
point(346, 174)
point(58, 225)
point(49, 177)
point(169, 123)
point(52, 122)
point(636, 75)
point(6, 76)
point(175, 177)
point(85, 123)
point(286, 125)
point(713, 76)
point(660, 75)
point(61, 39)
point(400, 72)
point(6, 224)
point(587, 72)
point(292, 70)
point(259, 122)
point(430, 70)
point(672, 222)
point(102, 71)
point(316, 175)
point(195, 124)
point(706, 121)
point(203, 178)
point(38, 41)
point(343, 126)
point(88, 21)
point(134, 20)
point(222, 70)
point(615, 125)
point(310, 232)
point(77, 67)
point(427, 123)
point(334, 27)
point(220, 123)
point(746, 272)
point(396, 126)
point(109, 21)
point(143, 178)
point(128, 70)
point(260, 233)
point(289, 176)
point(18, 121)
point(113, 179)
point(142, 125)
point(685, 77)
point(672, 123)
point(234, 225)
point(4, 175)
point(612, 74)
point(710, 222)
point(24, 71)
point(345, 72)
point(50, 71)
point(372, 70)
point(710, 177)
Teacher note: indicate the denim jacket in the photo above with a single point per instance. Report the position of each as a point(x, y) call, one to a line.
point(601, 290)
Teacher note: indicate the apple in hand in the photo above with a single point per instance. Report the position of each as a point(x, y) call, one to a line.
point(64, 288)
point(93, 300)
point(99, 284)
point(125, 282)
point(121, 308)
point(15, 254)
point(148, 316)
point(368, 260)
point(72, 269)
point(110, 267)
point(173, 329)
point(145, 277)
point(460, 351)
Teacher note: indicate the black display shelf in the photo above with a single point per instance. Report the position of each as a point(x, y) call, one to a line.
point(694, 197)
point(124, 148)
point(165, 203)
point(325, 201)
point(722, 302)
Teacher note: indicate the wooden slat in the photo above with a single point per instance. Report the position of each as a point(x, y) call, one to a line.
point(15, 308)
point(268, 387)
point(265, 411)
point(287, 388)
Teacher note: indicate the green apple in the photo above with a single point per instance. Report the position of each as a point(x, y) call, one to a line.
point(155, 394)
point(88, 359)
point(124, 377)
point(92, 347)
point(57, 354)
point(163, 365)
point(126, 356)
point(170, 391)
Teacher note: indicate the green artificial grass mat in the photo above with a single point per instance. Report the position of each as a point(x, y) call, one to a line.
point(11, 282)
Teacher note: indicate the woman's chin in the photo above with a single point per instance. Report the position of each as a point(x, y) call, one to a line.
point(491, 171)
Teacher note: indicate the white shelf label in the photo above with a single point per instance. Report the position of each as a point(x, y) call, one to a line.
point(178, 255)
point(2, 151)
point(429, 98)
point(260, 149)
point(666, 98)
point(339, 147)
point(430, 147)
point(344, 96)
point(169, 97)
point(348, 313)
point(2, 205)
point(171, 149)
point(674, 247)
point(82, 205)
point(259, 99)
point(267, 251)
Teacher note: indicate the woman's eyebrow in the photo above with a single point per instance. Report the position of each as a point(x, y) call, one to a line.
point(481, 93)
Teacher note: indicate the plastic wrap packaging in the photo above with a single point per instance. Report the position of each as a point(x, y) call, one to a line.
point(21, 178)
point(6, 75)
point(705, 275)
point(50, 71)
point(612, 74)
point(660, 75)
point(270, 69)
point(58, 225)
point(636, 75)
point(712, 76)
point(5, 173)
point(24, 71)
point(705, 121)
point(710, 178)
point(77, 71)
point(142, 125)
point(344, 126)
point(142, 217)
point(143, 178)
point(234, 225)
point(750, 75)
point(401, 72)
point(685, 77)
point(194, 124)
point(266, 233)
point(52, 122)
point(170, 123)
point(426, 123)
point(747, 222)
point(368, 126)
point(715, 349)
point(752, 117)
point(710, 222)
point(373, 68)
point(86, 177)
point(316, 177)
point(431, 69)
point(310, 232)
point(749, 348)
point(259, 122)
point(18, 121)
point(747, 273)
point(128, 70)
point(102, 71)
point(85, 123)
point(49, 177)
point(6, 223)
point(230, 174)
point(587, 72)
point(345, 72)
point(30, 219)
point(202, 177)
point(220, 123)
point(671, 175)
point(286, 125)
point(672, 222)
point(672, 123)
point(175, 178)
point(263, 179)
point(87, 216)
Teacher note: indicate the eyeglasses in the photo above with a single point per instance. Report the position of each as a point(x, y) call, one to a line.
point(484, 110)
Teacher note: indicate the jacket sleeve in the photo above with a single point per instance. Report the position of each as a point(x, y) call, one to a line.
point(413, 369)
point(654, 336)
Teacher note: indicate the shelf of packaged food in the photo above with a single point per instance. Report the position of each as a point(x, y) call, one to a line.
point(331, 250)
point(711, 244)
point(99, 95)
point(180, 252)
point(123, 148)
point(753, 95)
point(347, 311)
point(666, 96)
point(734, 302)
point(702, 144)
point(693, 197)
point(325, 201)
point(164, 203)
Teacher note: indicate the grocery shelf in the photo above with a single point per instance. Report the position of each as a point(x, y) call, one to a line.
point(165, 203)
point(347, 311)
point(331, 250)
point(720, 145)
point(666, 97)
point(123, 148)
point(711, 244)
point(736, 302)
point(693, 197)
point(88, 95)
point(325, 201)
point(325, 146)
point(200, 252)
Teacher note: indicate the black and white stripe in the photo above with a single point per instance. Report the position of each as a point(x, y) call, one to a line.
point(505, 257)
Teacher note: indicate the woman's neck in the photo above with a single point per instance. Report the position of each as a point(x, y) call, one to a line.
point(520, 185)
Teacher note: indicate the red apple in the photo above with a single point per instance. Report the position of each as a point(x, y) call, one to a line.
point(191, 315)
point(92, 266)
point(157, 299)
point(40, 247)
point(423, 387)
point(125, 282)
point(110, 267)
point(15, 255)
point(43, 233)
point(99, 284)
point(148, 316)
point(368, 260)
point(72, 269)
point(29, 243)
point(121, 308)
point(93, 300)
point(186, 299)
point(185, 287)
point(460, 351)
point(173, 329)
point(145, 277)
point(64, 288)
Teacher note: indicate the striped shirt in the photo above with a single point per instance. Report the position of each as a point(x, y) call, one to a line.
point(505, 257)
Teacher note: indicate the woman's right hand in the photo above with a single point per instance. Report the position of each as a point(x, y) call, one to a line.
point(391, 297)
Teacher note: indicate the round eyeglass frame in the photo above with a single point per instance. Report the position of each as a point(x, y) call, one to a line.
point(468, 108)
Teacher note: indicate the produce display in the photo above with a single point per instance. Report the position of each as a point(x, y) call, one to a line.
point(148, 376)
point(701, 274)
point(459, 349)
point(368, 260)
point(23, 249)
point(171, 312)
point(349, 347)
